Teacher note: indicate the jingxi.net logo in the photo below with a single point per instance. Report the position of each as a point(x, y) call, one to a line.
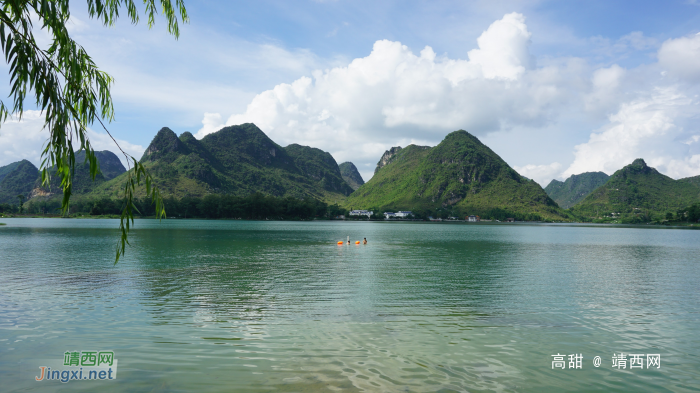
point(80, 366)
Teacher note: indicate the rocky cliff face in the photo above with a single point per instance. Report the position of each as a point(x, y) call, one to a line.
point(387, 157)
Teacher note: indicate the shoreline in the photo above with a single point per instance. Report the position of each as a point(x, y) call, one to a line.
point(464, 222)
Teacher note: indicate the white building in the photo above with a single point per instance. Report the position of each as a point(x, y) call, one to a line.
point(361, 213)
point(405, 214)
point(473, 218)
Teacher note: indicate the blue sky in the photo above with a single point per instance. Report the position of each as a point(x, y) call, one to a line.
point(554, 87)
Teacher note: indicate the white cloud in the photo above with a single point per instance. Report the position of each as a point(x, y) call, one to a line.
point(22, 139)
point(624, 46)
point(637, 40)
point(542, 174)
point(643, 128)
point(76, 25)
point(605, 93)
point(681, 56)
point(102, 141)
point(502, 49)
point(394, 95)
point(212, 122)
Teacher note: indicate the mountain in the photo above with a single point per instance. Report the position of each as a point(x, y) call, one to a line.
point(695, 180)
point(18, 180)
point(387, 157)
point(319, 166)
point(639, 193)
point(7, 169)
point(24, 178)
point(460, 174)
point(575, 188)
point(239, 160)
point(351, 175)
point(110, 167)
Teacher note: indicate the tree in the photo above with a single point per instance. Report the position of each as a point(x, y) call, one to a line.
point(21, 202)
point(71, 91)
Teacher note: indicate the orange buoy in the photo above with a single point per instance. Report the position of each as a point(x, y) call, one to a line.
point(357, 242)
point(340, 243)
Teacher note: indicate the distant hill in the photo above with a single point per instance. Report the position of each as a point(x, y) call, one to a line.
point(239, 160)
point(351, 175)
point(575, 188)
point(460, 174)
point(110, 167)
point(695, 180)
point(24, 178)
point(639, 193)
point(19, 178)
point(320, 168)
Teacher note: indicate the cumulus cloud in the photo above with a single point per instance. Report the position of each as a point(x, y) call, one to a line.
point(395, 96)
point(502, 51)
point(681, 57)
point(605, 92)
point(22, 139)
point(26, 138)
point(643, 128)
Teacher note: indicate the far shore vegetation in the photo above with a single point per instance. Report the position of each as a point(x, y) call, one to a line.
point(264, 207)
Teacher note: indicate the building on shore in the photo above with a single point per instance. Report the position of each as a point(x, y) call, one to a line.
point(473, 218)
point(361, 213)
point(400, 214)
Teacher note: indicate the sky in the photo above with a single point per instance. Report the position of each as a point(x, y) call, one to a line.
point(554, 87)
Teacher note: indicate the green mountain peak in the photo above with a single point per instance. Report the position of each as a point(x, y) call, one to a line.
point(638, 192)
point(351, 175)
point(239, 160)
point(575, 188)
point(460, 174)
point(164, 146)
point(18, 181)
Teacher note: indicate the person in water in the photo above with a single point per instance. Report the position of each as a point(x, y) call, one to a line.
point(365, 241)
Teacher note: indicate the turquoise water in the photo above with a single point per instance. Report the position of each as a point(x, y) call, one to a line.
point(278, 306)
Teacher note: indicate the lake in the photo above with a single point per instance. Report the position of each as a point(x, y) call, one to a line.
point(221, 306)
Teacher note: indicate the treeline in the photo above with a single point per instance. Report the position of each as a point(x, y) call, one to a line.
point(690, 215)
point(253, 207)
point(261, 207)
point(461, 212)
